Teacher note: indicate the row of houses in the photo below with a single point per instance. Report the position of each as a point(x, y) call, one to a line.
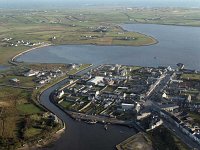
point(43, 77)
point(192, 133)
point(12, 42)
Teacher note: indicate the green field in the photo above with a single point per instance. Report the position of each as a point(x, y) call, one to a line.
point(191, 77)
point(23, 81)
point(195, 116)
point(32, 132)
point(73, 71)
point(66, 104)
point(28, 109)
point(164, 139)
point(20, 118)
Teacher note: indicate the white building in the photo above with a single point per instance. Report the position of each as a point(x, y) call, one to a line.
point(137, 108)
point(60, 94)
point(156, 124)
point(143, 115)
point(164, 95)
point(15, 80)
point(126, 106)
point(96, 80)
point(31, 73)
point(169, 107)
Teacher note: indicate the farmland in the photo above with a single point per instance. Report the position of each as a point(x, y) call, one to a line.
point(23, 29)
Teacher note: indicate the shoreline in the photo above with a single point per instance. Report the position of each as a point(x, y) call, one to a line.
point(153, 38)
point(13, 60)
point(45, 142)
point(165, 24)
point(26, 51)
point(155, 41)
point(118, 45)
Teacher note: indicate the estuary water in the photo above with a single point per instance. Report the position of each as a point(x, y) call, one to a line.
point(177, 44)
point(2, 68)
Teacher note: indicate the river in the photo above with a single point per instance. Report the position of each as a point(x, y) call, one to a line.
point(177, 44)
point(3, 68)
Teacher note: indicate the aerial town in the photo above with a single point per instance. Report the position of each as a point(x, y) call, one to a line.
point(126, 95)
point(143, 98)
point(99, 75)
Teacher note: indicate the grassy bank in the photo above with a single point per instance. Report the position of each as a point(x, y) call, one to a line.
point(164, 139)
point(158, 139)
point(194, 76)
point(22, 118)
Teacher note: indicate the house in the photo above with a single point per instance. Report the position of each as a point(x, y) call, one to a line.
point(96, 80)
point(180, 66)
point(137, 108)
point(169, 107)
point(14, 80)
point(109, 81)
point(155, 122)
point(60, 94)
point(31, 73)
point(164, 95)
point(169, 68)
point(189, 99)
point(107, 104)
point(143, 115)
point(126, 106)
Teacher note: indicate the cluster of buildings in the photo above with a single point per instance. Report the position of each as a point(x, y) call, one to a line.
point(183, 95)
point(178, 102)
point(43, 77)
point(101, 29)
point(111, 90)
point(144, 96)
point(137, 94)
point(12, 42)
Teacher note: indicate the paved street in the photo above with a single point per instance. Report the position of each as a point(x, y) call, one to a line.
point(159, 85)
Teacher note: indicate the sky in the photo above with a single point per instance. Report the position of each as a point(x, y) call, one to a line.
point(83, 3)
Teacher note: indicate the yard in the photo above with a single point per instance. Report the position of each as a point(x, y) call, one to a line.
point(31, 132)
point(163, 139)
point(191, 77)
point(28, 108)
point(195, 116)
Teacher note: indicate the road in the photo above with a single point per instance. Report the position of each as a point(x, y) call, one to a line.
point(172, 126)
point(159, 86)
point(185, 138)
point(17, 86)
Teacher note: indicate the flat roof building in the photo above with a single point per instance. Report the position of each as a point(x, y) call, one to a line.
point(96, 80)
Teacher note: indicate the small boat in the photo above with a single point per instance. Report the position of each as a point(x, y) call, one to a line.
point(105, 127)
point(91, 122)
point(121, 131)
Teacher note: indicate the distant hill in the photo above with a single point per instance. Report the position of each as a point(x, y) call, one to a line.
point(19, 4)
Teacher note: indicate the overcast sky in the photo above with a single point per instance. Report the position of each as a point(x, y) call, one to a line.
point(79, 3)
